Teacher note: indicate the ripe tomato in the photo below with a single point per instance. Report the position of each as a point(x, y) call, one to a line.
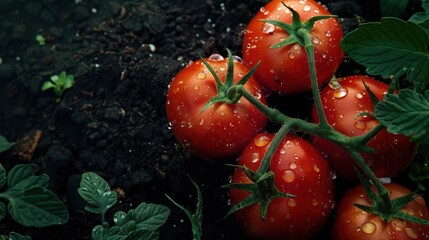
point(342, 104)
point(352, 223)
point(285, 69)
point(300, 170)
point(222, 130)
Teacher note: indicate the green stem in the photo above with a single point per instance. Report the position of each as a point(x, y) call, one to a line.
point(364, 139)
point(309, 49)
point(382, 191)
point(265, 163)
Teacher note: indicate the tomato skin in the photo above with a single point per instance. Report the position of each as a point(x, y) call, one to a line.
point(222, 130)
point(286, 69)
point(394, 152)
point(300, 170)
point(352, 223)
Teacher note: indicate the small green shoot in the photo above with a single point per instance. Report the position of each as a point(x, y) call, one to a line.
point(40, 39)
point(59, 83)
point(5, 144)
point(140, 223)
point(195, 218)
point(30, 203)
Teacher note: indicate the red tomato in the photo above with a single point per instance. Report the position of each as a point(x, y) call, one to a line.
point(286, 69)
point(341, 106)
point(352, 223)
point(222, 130)
point(300, 170)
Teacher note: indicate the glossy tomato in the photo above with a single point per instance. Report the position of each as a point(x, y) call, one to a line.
point(285, 69)
point(300, 170)
point(222, 130)
point(342, 104)
point(352, 223)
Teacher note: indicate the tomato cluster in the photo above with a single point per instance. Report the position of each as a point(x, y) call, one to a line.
point(211, 123)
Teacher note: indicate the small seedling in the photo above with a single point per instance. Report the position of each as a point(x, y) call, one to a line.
point(59, 83)
point(30, 203)
point(142, 222)
point(40, 39)
point(14, 236)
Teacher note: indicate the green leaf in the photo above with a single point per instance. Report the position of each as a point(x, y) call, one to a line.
point(391, 47)
point(393, 8)
point(2, 176)
point(96, 191)
point(37, 207)
point(22, 177)
point(17, 236)
point(422, 18)
point(5, 144)
point(406, 113)
point(151, 216)
point(2, 211)
point(47, 85)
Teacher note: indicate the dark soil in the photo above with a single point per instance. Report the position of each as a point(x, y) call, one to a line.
point(123, 54)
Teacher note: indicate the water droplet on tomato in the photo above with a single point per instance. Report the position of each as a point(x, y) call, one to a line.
point(216, 57)
point(340, 92)
point(254, 157)
point(359, 95)
point(257, 95)
point(368, 227)
point(328, 33)
point(282, 151)
point(236, 58)
point(333, 174)
point(316, 168)
point(360, 125)
point(268, 28)
point(291, 202)
point(293, 165)
point(291, 55)
point(196, 87)
point(315, 202)
point(316, 40)
point(201, 76)
point(201, 122)
point(262, 140)
point(324, 54)
point(307, 8)
point(411, 233)
point(288, 176)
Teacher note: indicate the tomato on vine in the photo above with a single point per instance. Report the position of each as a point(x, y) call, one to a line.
point(353, 223)
point(344, 99)
point(284, 68)
point(201, 113)
point(299, 169)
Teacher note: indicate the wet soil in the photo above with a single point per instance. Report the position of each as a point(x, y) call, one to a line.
point(123, 55)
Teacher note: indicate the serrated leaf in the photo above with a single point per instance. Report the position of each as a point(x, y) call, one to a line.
point(22, 176)
point(17, 236)
point(5, 144)
point(406, 113)
point(391, 47)
point(96, 191)
point(37, 207)
point(393, 8)
point(422, 18)
point(151, 216)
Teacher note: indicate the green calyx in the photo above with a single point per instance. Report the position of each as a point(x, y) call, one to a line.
point(262, 190)
point(228, 91)
point(386, 208)
point(296, 29)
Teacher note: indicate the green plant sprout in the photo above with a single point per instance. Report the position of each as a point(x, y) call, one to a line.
point(59, 83)
point(30, 203)
point(40, 39)
point(142, 222)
